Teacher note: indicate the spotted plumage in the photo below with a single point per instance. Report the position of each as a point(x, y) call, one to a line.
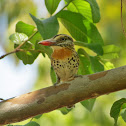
point(64, 59)
point(66, 66)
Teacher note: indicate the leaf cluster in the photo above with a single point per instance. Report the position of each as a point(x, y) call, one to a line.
point(79, 18)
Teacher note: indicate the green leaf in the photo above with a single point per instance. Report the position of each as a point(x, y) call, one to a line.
point(38, 116)
point(82, 7)
point(44, 49)
point(92, 66)
point(32, 123)
point(110, 52)
point(84, 66)
point(88, 104)
point(88, 8)
point(53, 75)
point(116, 108)
point(28, 55)
point(48, 27)
point(68, 1)
point(27, 29)
point(22, 27)
point(110, 56)
point(51, 5)
point(79, 27)
point(124, 115)
point(96, 65)
point(108, 65)
point(111, 49)
point(14, 125)
point(124, 106)
point(36, 38)
point(97, 48)
point(95, 10)
point(64, 110)
point(18, 38)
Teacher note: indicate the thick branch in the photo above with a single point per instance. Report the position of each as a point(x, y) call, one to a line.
point(51, 98)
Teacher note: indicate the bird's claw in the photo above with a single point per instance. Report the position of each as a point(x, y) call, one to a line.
point(56, 84)
point(78, 76)
point(70, 106)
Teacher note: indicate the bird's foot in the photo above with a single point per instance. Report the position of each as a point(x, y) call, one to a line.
point(56, 84)
point(78, 76)
point(70, 106)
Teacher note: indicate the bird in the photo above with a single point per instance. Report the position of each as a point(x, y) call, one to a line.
point(64, 59)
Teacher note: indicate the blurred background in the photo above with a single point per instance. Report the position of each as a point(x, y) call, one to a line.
point(17, 78)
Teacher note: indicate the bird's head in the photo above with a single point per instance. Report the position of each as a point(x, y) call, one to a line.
point(60, 40)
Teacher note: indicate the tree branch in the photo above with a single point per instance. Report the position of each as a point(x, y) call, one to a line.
point(66, 94)
point(124, 32)
point(18, 48)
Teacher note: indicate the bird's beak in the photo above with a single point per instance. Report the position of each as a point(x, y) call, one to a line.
point(48, 42)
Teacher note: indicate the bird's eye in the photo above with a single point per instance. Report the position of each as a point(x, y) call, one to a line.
point(63, 39)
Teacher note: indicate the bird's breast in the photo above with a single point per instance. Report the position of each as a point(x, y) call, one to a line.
point(65, 63)
point(62, 53)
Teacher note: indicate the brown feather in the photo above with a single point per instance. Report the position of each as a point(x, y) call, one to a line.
point(61, 53)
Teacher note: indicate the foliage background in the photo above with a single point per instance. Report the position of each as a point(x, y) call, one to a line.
point(16, 78)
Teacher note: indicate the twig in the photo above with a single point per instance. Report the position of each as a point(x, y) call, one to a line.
point(22, 50)
point(14, 51)
point(124, 32)
point(18, 48)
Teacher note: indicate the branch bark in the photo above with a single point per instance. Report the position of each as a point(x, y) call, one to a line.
point(66, 94)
